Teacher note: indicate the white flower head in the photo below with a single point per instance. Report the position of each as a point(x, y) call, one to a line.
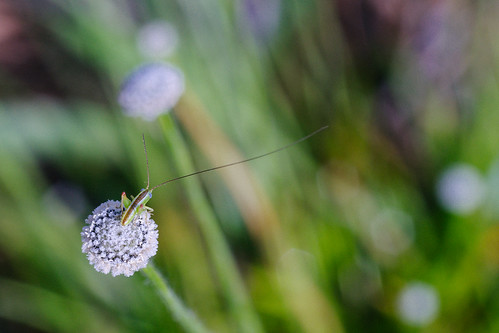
point(418, 304)
point(157, 39)
point(260, 18)
point(151, 90)
point(116, 249)
point(461, 189)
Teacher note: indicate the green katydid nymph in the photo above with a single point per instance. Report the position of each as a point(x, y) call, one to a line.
point(136, 206)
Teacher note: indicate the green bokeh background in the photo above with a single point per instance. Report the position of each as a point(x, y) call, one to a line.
point(406, 89)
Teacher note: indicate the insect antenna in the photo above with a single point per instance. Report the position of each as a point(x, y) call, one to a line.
point(243, 161)
point(147, 160)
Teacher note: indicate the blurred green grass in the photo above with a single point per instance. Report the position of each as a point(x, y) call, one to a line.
point(325, 235)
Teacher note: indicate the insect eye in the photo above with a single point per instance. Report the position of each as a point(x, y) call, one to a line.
point(150, 194)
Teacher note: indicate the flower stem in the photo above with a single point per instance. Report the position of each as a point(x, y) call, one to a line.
point(218, 249)
point(184, 316)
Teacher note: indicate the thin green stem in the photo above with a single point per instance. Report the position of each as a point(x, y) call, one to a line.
point(218, 249)
point(184, 316)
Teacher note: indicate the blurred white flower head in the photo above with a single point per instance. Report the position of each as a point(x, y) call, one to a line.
point(151, 90)
point(116, 249)
point(461, 189)
point(440, 41)
point(157, 39)
point(260, 18)
point(418, 304)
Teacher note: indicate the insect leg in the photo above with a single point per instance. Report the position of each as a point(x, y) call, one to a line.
point(125, 202)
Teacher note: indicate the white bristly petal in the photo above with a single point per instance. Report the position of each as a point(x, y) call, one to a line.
point(116, 249)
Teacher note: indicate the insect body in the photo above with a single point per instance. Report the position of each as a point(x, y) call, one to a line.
point(136, 206)
point(130, 208)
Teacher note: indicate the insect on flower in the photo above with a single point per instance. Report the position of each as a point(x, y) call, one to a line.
point(137, 205)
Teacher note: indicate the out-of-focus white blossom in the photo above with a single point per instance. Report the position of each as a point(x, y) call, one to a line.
point(116, 249)
point(418, 304)
point(151, 90)
point(157, 39)
point(440, 41)
point(461, 189)
point(260, 18)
